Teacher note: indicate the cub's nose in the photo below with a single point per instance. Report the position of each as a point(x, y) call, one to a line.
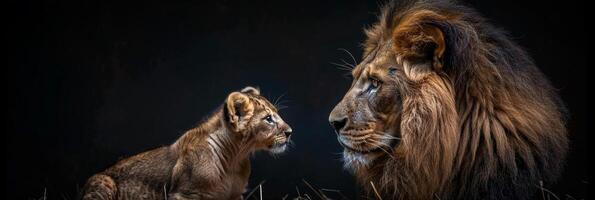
point(338, 123)
point(288, 132)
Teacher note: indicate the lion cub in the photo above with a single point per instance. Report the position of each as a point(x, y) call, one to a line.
point(207, 162)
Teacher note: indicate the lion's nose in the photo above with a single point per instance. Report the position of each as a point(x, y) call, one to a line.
point(338, 123)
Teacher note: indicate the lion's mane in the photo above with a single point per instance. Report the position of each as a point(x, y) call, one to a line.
point(490, 126)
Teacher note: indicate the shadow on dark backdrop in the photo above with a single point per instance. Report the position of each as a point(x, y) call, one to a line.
point(99, 81)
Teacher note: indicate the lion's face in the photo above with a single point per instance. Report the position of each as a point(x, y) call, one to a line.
point(366, 120)
point(257, 120)
point(396, 62)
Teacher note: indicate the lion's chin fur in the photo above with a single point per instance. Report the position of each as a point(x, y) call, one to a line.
point(355, 161)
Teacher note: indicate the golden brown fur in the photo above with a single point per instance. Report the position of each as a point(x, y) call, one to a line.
point(207, 162)
point(445, 106)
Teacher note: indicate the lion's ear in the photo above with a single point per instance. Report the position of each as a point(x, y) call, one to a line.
point(239, 109)
point(421, 45)
point(251, 90)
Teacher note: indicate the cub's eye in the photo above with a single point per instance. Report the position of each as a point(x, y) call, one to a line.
point(269, 119)
point(374, 83)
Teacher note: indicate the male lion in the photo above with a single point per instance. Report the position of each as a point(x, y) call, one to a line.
point(444, 105)
point(207, 162)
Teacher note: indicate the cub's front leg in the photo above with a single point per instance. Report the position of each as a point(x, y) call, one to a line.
point(193, 189)
point(194, 181)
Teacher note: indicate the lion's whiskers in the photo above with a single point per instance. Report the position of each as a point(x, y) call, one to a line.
point(379, 146)
point(346, 66)
point(387, 136)
point(351, 55)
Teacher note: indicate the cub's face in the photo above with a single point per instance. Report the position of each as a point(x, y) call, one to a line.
point(256, 119)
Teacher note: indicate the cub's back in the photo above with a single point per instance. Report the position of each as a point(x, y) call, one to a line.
point(147, 173)
point(155, 164)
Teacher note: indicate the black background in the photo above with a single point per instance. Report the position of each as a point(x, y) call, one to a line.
point(95, 81)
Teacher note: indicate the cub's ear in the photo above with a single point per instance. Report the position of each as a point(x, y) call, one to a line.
point(251, 90)
point(421, 47)
point(238, 109)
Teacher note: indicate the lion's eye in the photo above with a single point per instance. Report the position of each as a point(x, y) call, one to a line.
point(269, 119)
point(374, 83)
point(392, 71)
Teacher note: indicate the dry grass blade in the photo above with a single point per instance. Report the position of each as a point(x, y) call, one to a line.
point(334, 191)
point(318, 193)
point(375, 191)
point(542, 192)
point(260, 188)
point(298, 192)
point(549, 193)
point(569, 197)
point(307, 196)
point(164, 192)
point(254, 190)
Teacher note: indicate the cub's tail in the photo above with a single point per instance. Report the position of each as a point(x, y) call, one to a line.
point(100, 187)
